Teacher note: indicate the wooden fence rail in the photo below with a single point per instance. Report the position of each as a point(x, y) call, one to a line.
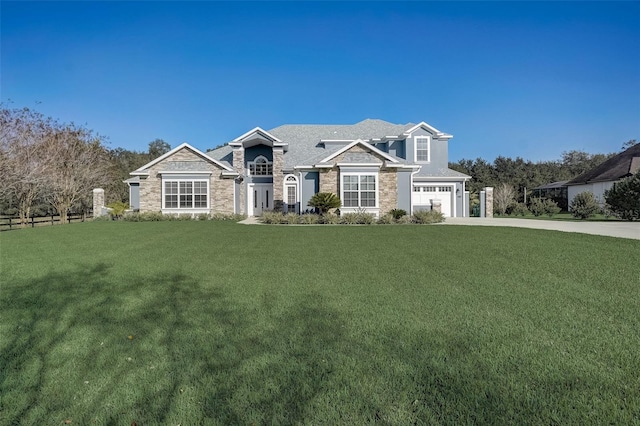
point(8, 223)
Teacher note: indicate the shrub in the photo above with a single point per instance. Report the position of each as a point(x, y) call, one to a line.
point(365, 218)
point(623, 200)
point(202, 216)
point(309, 219)
point(519, 209)
point(428, 216)
point(329, 219)
point(551, 208)
point(291, 218)
point(117, 209)
point(228, 216)
point(584, 205)
point(387, 219)
point(397, 213)
point(349, 218)
point(270, 217)
point(405, 220)
point(143, 217)
point(536, 207)
point(325, 201)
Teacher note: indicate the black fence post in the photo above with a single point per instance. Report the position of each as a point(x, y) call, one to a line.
point(51, 219)
point(33, 224)
point(9, 223)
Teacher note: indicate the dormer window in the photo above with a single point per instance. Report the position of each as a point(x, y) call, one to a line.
point(261, 167)
point(423, 154)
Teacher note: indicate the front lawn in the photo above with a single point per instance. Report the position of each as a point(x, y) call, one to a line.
point(220, 323)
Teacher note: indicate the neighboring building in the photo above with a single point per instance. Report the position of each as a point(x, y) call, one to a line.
point(373, 166)
point(604, 176)
point(556, 191)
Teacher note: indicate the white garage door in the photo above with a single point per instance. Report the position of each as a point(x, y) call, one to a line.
point(423, 194)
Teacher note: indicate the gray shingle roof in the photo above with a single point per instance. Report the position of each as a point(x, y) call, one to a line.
point(306, 149)
point(442, 172)
point(622, 165)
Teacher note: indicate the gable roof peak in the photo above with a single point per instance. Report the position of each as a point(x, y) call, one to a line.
point(185, 145)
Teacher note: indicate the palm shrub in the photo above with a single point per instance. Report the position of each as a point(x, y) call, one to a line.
point(584, 205)
point(325, 201)
point(117, 209)
point(623, 200)
point(397, 213)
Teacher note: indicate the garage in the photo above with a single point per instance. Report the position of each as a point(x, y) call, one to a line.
point(423, 195)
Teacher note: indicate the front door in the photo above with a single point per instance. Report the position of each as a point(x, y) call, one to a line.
point(260, 198)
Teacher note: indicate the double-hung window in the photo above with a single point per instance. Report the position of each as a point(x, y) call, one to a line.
point(423, 153)
point(359, 190)
point(185, 194)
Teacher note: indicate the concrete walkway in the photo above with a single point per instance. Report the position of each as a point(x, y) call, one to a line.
point(251, 221)
point(610, 229)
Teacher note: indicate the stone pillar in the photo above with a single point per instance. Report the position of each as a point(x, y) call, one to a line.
point(278, 178)
point(436, 205)
point(238, 166)
point(488, 208)
point(98, 202)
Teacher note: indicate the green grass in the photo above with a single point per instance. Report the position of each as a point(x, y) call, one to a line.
point(235, 324)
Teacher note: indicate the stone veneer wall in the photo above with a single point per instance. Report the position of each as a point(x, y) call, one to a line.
point(238, 166)
point(388, 191)
point(278, 179)
point(329, 180)
point(221, 190)
point(387, 182)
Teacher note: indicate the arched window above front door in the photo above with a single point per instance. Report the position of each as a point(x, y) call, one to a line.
point(261, 167)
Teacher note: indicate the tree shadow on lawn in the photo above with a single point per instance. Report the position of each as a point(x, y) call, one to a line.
point(79, 345)
point(166, 348)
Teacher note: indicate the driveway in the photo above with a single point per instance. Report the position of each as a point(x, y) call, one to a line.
point(610, 229)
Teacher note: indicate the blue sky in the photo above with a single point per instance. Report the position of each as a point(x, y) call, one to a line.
point(528, 79)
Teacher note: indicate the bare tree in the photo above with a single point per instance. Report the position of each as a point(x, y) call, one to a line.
point(22, 160)
point(503, 196)
point(80, 163)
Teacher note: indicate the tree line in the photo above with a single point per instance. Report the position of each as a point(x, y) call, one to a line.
point(48, 167)
point(523, 175)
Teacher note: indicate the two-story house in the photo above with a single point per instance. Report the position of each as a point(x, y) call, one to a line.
point(373, 166)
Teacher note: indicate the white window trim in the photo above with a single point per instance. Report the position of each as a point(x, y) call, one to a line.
point(285, 193)
point(415, 148)
point(255, 160)
point(179, 209)
point(372, 209)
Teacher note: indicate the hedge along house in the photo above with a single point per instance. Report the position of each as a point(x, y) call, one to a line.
point(373, 166)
